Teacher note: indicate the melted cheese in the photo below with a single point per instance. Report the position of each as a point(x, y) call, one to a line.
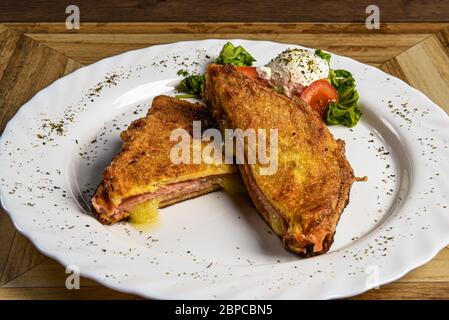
point(145, 215)
point(232, 185)
point(277, 225)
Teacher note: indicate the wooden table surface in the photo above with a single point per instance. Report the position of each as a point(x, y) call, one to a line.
point(33, 55)
point(223, 10)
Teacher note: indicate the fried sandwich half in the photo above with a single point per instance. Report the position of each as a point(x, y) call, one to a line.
point(303, 200)
point(143, 170)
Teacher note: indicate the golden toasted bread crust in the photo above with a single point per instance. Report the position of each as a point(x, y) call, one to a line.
point(143, 164)
point(311, 186)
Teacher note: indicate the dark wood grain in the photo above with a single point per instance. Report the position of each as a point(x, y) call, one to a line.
point(225, 10)
point(95, 41)
point(408, 291)
point(443, 38)
point(29, 62)
point(84, 293)
point(7, 233)
point(210, 28)
point(22, 258)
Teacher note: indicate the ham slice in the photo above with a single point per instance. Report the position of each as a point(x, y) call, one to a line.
point(108, 213)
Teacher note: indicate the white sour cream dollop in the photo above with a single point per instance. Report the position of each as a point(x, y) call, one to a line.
point(293, 70)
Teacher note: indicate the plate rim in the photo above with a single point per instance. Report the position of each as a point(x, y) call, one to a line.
point(35, 241)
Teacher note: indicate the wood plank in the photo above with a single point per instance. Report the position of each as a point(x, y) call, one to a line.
point(437, 270)
point(410, 290)
point(8, 43)
point(421, 290)
point(230, 27)
point(428, 58)
point(84, 293)
point(7, 233)
point(23, 256)
point(443, 38)
point(49, 274)
point(31, 64)
point(71, 65)
point(226, 10)
point(392, 67)
point(370, 48)
point(392, 291)
point(90, 43)
point(405, 40)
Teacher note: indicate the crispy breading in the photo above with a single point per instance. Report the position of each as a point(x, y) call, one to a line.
point(143, 165)
point(304, 199)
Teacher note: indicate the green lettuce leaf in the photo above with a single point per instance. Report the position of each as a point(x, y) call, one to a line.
point(193, 84)
point(345, 111)
point(236, 56)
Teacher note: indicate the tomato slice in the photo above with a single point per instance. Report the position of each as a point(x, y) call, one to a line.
point(319, 95)
point(252, 73)
point(248, 71)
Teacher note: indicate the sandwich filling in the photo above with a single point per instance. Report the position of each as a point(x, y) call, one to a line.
point(166, 195)
point(142, 177)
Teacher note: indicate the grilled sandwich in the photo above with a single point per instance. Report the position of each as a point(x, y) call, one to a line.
point(303, 200)
point(143, 174)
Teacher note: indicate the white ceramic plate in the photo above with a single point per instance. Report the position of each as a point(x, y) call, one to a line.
point(55, 148)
